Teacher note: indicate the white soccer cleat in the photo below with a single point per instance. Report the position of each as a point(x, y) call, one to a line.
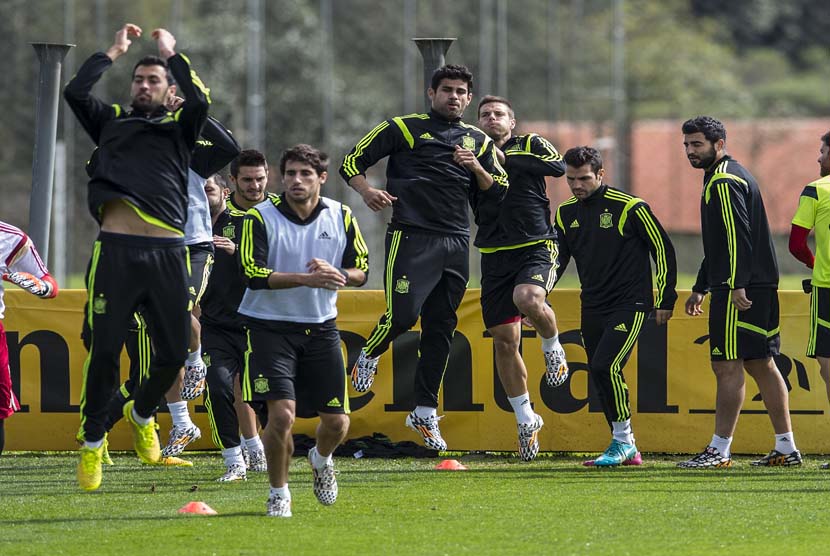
point(180, 437)
point(278, 506)
point(325, 481)
point(364, 371)
point(428, 429)
point(256, 461)
point(529, 438)
point(556, 367)
point(194, 381)
point(235, 472)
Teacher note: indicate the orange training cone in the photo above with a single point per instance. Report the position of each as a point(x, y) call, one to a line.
point(198, 508)
point(450, 465)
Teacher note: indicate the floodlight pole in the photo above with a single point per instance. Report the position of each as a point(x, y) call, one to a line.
point(43, 161)
point(433, 51)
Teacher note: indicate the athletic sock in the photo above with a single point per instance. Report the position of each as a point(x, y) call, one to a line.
point(721, 444)
point(139, 419)
point(425, 412)
point(254, 443)
point(318, 461)
point(179, 414)
point(94, 445)
point(522, 409)
point(785, 443)
point(194, 357)
point(550, 344)
point(282, 492)
point(622, 431)
point(233, 456)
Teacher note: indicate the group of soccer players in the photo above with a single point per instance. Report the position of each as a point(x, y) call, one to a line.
point(263, 329)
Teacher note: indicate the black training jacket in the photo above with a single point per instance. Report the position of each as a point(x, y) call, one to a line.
point(432, 190)
point(737, 243)
point(142, 159)
point(610, 236)
point(227, 282)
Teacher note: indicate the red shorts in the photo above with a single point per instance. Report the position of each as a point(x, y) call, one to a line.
point(8, 402)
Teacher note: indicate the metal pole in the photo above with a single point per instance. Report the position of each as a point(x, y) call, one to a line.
point(255, 117)
point(46, 129)
point(64, 206)
point(433, 51)
point(410, 97)
point(485, 48)
point(620, 112)
point(501, 42)
point(554, 34)
point(327, 71)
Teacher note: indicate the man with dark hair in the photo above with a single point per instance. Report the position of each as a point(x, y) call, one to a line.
point(138, 194)
point(610, 234)
point(740, 270)
point(437, 164)
point(814, 214)
point(297, 251)
point(249, 177)
point(518, 264)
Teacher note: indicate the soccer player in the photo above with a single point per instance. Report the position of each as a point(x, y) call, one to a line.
point(213, 151)
point(740, 270)
point(249, 177)
point(518, 264)
point(610, 235)
point(138, 195)
point(814, 214)
point(20, 264)
point(437, 164)
point(224, 341)
point(297, 251)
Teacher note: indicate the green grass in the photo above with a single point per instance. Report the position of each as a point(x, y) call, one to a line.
point(499, 506)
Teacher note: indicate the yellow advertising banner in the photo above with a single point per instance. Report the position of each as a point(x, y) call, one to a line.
point(671, 385)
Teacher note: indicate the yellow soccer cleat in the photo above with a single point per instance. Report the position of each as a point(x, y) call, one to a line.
point(89, 468)
point(105, 455)
point(173, 461)
point(145, 439)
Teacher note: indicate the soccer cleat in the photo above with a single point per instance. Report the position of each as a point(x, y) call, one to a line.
point(556, 367)
point(824, 466)
point(364, 371)
point(428, 429)
point(777, 459)
point(529, 438)
point(145, 439)
point(708, 458)
point(256, 460)
point(235, 472)
point(325, 481)
point(180, 437)
point(278, 506)
point(636, 459)
point(89, 468)
point(194, 381)
point(618, 453)
point(173, 461)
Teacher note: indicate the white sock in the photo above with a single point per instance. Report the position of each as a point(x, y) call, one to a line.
point(282, 492)
point(550, 344)
point(233, 456)
point(194, 357)
point(179, 414)
point(522, 409)
point(425, 412)
point(94, 445)
point(252, 444)
point(318, 461)
point(721, 444)
point(622, 431)
point(139, 419)
point(785, 443)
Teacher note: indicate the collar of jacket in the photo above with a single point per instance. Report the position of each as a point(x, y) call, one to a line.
point(440, 117)
point(598, 194)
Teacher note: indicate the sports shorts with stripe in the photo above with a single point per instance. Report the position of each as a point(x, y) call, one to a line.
point(200, 257)
point(292, 361)
point(502, 271)
point(8, 401)
point(609, 339)
point(750, 334)
point(819, 343)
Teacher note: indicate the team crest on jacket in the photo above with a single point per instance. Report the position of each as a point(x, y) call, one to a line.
point(468, 142)
point(606, 220)
point(402, 285)
point(99, 305)
point(229, 231)
point(261, 385)
point(206, 359)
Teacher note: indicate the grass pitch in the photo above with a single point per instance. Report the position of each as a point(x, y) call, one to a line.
point(553, 505)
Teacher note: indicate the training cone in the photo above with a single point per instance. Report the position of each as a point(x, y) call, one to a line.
point(198, 508)
point(450, 465)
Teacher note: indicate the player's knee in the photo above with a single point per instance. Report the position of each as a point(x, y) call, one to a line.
point(529, 299)
point(337, 424)
point(505, 344)
point(280, 420)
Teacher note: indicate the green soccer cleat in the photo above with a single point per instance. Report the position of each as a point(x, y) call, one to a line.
point(145, 439)
point(89, 468)
point(617, 453)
